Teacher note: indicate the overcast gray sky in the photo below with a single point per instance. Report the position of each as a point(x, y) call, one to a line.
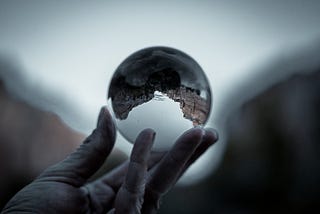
point(71, 48)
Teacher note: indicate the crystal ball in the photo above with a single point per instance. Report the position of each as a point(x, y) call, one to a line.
point(160, 88)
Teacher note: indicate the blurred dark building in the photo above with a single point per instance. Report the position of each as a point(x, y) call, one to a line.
point(272, 162)
point(31, 139)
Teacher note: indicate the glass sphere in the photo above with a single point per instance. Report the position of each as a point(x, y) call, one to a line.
point(160, 88)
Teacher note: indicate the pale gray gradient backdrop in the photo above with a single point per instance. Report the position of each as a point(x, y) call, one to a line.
point(68, 50)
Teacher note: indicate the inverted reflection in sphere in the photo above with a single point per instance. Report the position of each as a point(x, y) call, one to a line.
point(160, 88)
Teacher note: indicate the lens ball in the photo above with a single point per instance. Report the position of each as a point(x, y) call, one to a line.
point(160, 88)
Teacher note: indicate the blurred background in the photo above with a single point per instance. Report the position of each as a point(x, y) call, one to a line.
point(262, 59)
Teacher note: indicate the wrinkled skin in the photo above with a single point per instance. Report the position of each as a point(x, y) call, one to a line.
point(136, 186)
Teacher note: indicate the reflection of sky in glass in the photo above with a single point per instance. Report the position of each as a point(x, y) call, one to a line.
point(73, 47)
point(161, 114)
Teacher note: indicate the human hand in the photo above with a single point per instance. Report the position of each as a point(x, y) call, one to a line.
point(136, 186)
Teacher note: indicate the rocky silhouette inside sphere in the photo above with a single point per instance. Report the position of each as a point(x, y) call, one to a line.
point(160, 88)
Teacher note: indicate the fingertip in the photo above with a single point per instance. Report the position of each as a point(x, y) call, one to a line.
point(146, 136)
point(103, 115)
point(194, 134)
point(151, 132)
point(143, 145)
point(188, 141)
point(105, 123)
point(211, 134)
point(199, 129)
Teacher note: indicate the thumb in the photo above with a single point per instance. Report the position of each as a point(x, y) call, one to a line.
point(88, 158)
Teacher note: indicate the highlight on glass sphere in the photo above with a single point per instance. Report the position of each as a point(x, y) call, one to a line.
point(160, 88)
